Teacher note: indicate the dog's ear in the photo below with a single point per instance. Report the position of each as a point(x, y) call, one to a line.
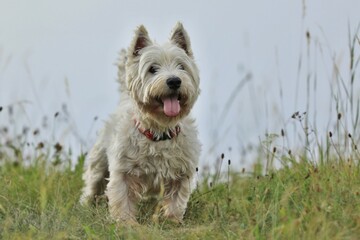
point(180, 37)
point(140, 40)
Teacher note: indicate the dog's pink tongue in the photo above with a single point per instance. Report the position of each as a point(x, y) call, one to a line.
point(171, 106)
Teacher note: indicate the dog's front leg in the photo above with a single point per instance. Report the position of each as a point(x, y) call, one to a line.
point(123, 197)
point(95, 175)
point(177, 193)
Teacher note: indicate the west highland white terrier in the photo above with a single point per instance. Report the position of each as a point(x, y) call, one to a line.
point(150, 142)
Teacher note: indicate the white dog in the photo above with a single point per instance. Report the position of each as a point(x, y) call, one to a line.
point(150, 141)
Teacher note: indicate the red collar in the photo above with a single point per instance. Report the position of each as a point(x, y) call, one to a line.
point(151, 135)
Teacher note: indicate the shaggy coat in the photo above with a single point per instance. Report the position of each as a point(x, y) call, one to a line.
point(150, 142)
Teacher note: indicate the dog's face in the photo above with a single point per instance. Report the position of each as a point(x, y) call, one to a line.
point(162, 79)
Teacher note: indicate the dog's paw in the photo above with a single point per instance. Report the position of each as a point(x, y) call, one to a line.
point(127, 222)
point(174, 220)
point(86, 200)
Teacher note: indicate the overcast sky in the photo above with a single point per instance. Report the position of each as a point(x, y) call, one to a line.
point(55, 52)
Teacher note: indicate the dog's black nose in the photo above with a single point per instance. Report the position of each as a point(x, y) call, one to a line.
point(173, 83)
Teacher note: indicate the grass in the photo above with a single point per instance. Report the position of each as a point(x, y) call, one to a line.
point(301, 201)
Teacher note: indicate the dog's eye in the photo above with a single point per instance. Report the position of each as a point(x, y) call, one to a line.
point(181, 67)
point(152, 70)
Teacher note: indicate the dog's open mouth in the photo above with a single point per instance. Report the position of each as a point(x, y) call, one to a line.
point(171, 105)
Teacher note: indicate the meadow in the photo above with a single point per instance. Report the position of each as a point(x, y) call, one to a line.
point(301, 201)
point(313, 193)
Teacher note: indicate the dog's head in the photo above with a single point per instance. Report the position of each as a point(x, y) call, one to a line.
point(162, 79)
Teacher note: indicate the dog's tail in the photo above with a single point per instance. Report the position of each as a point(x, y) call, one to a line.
point(121, 70)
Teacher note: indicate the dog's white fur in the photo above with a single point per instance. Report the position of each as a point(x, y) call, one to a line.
point(135, 165)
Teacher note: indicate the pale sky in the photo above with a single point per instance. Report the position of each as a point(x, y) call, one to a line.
point(55, 52)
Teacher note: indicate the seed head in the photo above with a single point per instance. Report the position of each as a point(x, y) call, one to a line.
point(339, 116)
point(36, 132)
point(295, 114)
point(58, 147)
point(330, 134)
point(40, 145)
